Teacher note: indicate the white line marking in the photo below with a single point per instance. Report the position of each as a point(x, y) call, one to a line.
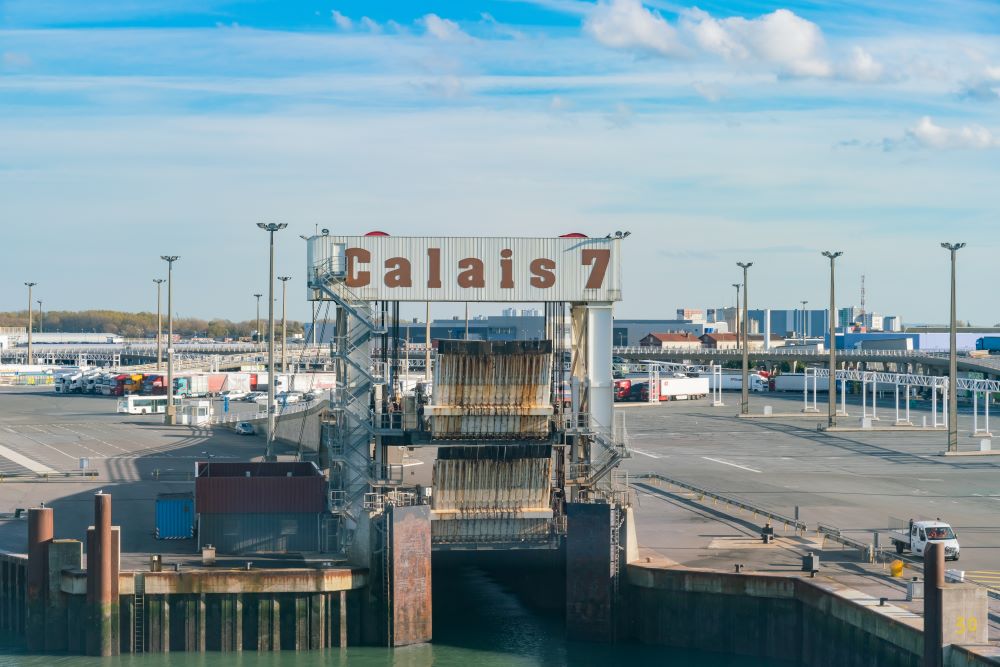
point(652, 456)
point(727, 463)
point(24, 461)
point(416, 463)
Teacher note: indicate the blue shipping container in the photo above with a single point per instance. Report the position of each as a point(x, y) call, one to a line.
point(174, 516)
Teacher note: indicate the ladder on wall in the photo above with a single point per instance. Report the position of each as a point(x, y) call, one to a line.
point(139, 614)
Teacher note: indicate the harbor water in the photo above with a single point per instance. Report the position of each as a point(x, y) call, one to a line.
point(477, 622)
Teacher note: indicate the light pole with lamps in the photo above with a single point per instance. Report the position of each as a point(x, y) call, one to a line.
point(270, 228)
point(832, 413)
point(745, 392)
point(953, 248)
point(30, 312)
point(284, 330)
point(312, 305)
point(159, 324)
point(171, 416)
point(41, 317)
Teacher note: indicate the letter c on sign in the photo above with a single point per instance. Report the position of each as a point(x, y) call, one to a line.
point(356, 278)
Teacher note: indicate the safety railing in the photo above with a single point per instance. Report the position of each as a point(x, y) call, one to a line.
point(659, 480)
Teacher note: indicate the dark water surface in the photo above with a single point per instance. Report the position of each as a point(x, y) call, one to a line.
point(477, 623)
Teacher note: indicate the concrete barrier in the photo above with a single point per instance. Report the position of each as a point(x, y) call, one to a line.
point(806, 621)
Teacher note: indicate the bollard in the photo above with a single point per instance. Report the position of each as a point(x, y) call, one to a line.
point(100, 634)
point(933, 605)
point(40, 534)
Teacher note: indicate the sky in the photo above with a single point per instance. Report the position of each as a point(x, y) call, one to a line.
point(714, 133)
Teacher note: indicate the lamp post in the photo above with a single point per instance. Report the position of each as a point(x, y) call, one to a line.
point(745, 393)
point(804, 322)
point(30, 311)
point(171, 416)
point(284, 330)
point(312, 305)
point(159, 324)
point(953, 248)
point(41, 317)
point(270, 228)
point(832, 413)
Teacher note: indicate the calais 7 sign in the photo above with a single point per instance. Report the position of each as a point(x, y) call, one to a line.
point(471, 269)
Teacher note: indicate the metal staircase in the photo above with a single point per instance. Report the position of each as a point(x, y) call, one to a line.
point(608, 448)
point(348, 438)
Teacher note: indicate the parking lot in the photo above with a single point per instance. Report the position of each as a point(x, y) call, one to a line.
point(852, 480)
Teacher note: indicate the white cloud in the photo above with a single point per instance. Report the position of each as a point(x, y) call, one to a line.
point(710, 90)
point(342, 22)
point(370, 25)
point(862, 66)
point(927, 134)
point(444, 29)
point(626, 24)
point(782, 39)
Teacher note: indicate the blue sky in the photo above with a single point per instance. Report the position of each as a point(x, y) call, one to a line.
point(716, 132)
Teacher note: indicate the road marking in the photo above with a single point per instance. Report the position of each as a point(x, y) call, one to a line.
point(727, 463)
point(929, 479)
point(416, 463)
point(652, 456)
point(24, 461)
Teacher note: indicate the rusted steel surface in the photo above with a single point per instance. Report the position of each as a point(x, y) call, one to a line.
point(103, 601)
point(492, 484)
point(410, 553)
point(481, 532)
point(491, 390)
point(589, 603)
point(255, 581)
point(266, 488)
point(40, 534)
point(493, 495)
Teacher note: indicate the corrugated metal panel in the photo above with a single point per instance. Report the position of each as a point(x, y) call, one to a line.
point(259, 533)
point(174, 516)
point(487, 390)
point(259, 487)
point(513, 269)
point(491, 485)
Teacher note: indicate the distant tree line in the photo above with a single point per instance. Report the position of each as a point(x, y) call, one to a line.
point(139, 325)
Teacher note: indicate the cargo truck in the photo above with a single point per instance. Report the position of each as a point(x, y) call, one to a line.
point(623, 388)
point(916, 535)
point(734, 381)
point(671, 389)
point(989, 344)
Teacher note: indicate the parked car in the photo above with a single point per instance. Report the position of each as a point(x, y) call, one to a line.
point(309, 396)
point(288, 397)
point(254, 395)
point(234, 394)
point(245, 428)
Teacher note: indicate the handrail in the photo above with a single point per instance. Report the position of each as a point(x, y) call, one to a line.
point(780, 518)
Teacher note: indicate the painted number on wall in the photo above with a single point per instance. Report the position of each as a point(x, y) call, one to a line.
point(964, 624)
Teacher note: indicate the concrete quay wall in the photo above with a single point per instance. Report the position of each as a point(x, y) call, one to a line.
point(803, 621)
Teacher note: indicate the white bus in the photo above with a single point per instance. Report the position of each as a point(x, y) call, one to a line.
point(135, 404)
